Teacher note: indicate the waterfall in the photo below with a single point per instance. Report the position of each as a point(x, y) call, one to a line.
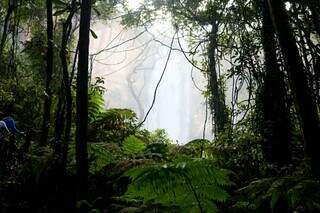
point(132, 68)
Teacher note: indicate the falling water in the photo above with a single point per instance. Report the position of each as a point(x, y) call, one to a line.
point(132, 68)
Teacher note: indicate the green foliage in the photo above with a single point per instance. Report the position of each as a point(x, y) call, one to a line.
point(95, 104)
point(133, 145)
point(157, 150)
point(100, 155)
point(139, 17)
point(160, 183)
point(38, 163)
point(160, 136)
point(196, 146)
point(103, 9)
point(96, 99)
point(158, 144)
point(192, 185)
point(297, 193)
point(113, 125)
point(242, 153)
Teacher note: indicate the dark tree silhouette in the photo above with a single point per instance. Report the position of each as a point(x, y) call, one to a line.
point(12, 5)
point(49, 71)
point(276, 124)
point(82, 101)
point(305, 103)
point(66, 31)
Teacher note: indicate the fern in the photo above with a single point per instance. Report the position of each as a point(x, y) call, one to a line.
point(95, 104)
point(99, 155)
point(133, 145)
point(113, 119)
point(113, 125)
point(195, 185)
point(293, 191)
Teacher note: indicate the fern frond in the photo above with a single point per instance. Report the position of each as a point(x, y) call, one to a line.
point(113, 125)
point(294, 191)
point(133, 145)
point(99, 156)
point(189, 184)
point(95, 104)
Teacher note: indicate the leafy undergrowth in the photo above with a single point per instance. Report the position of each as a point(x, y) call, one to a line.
point(289, 193)
point(134, 170)
point(192, 185)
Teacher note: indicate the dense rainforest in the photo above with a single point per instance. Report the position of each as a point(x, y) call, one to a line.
point(63, 150)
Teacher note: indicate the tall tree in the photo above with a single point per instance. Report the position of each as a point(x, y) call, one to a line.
point(217, 99)
point(276, 124)
point(82, 101)
point(49, 71)
point(66, 31)
point(305, 103)
point(12, 4)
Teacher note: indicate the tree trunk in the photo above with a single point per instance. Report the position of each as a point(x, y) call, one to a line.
point(217, 102)
point(11, 7)
point(49, 71)
point(59, 122)
point(314, 6)
point(82, 101)
point(276, 123)
point(67, 25)
point(306, 107)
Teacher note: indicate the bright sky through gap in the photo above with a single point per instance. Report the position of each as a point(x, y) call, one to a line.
point(134, 4)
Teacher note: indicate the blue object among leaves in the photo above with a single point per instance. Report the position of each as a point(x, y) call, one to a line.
point(10, 125)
